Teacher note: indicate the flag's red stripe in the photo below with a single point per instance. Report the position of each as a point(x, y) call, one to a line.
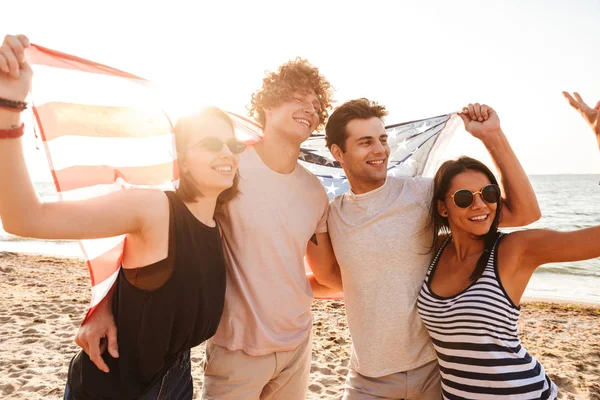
point(105, 264)
point(248, 126)
point(90, 312)
point(43, 56)
point(48, 156)
point(66, 119)
point(81, 176)
point(247, 121)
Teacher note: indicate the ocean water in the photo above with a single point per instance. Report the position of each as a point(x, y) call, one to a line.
point(568, 202)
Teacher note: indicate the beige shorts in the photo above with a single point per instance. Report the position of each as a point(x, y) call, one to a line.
point(420, 383)
point(276, 376)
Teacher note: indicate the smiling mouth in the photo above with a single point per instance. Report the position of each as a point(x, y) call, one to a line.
point(479, 218)
point(303, 121)
point(225, 169)
point(376, 163)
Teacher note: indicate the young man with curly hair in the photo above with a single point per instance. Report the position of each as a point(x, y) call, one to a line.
point(262, 348)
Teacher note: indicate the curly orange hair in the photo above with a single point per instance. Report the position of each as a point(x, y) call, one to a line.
point(295, 76)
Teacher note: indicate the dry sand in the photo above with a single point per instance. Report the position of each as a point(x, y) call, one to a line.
point(43, 300)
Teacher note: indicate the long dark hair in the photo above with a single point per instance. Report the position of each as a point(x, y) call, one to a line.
point(441, 185)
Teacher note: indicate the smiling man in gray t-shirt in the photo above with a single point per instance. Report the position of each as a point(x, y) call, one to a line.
point(380, 237)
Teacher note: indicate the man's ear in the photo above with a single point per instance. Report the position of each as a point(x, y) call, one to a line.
point(268, 112)
point(336, 152)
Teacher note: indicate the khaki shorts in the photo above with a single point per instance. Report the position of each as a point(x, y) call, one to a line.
point(276, 376)
point(420, 383)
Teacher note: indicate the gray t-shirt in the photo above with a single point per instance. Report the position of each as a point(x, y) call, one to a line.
point(382, 247)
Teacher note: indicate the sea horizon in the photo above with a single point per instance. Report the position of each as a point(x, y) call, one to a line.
point(566, 201)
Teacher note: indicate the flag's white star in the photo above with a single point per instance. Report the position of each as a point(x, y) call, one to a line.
point(423, 127)
point(303, 155)
point(402, 145)
point(329, 161)
point(331, 188)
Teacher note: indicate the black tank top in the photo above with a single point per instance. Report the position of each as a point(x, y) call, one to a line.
point(154, 326)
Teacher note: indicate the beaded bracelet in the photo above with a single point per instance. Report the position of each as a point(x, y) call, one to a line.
point(12, 105)
point(12, 133)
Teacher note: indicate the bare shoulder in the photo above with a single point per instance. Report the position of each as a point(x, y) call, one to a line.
point(144, 199)
point(514, 245)
point(151, 242)
point(151, 204)
point(513, 242)
point(522, 238)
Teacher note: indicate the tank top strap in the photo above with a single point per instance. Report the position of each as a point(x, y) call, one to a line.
point(172, 228)
point(495, 246)
point(175, 203)
point(500, 234)
point(437, 256)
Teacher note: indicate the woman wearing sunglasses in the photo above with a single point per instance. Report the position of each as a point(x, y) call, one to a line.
point(169, 295)
point(470, 299)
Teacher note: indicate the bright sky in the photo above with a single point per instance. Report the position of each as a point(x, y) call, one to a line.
point(419, 58)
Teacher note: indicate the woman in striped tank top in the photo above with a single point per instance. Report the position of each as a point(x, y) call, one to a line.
point(470, 299)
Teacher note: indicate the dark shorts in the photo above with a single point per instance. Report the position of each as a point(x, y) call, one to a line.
point(176, 383)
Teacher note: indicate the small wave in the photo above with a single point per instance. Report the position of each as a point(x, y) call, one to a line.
point(568, 270)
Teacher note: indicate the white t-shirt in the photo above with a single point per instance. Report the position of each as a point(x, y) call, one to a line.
point(265, 233)
point(382, 245)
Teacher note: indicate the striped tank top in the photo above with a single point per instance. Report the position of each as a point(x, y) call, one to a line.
point(476, 339)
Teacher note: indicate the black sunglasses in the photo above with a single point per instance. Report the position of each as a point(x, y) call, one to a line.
point(463, 198)
point(215, 144)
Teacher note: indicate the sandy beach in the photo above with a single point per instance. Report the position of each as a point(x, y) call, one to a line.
point(43, 300)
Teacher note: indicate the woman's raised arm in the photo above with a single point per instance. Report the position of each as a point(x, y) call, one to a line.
point(21, 211)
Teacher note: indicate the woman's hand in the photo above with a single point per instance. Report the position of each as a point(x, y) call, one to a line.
point(589, 114)
point(16, 76)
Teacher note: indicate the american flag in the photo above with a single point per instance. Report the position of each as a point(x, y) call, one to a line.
point(103, 130)
point(413, 146)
